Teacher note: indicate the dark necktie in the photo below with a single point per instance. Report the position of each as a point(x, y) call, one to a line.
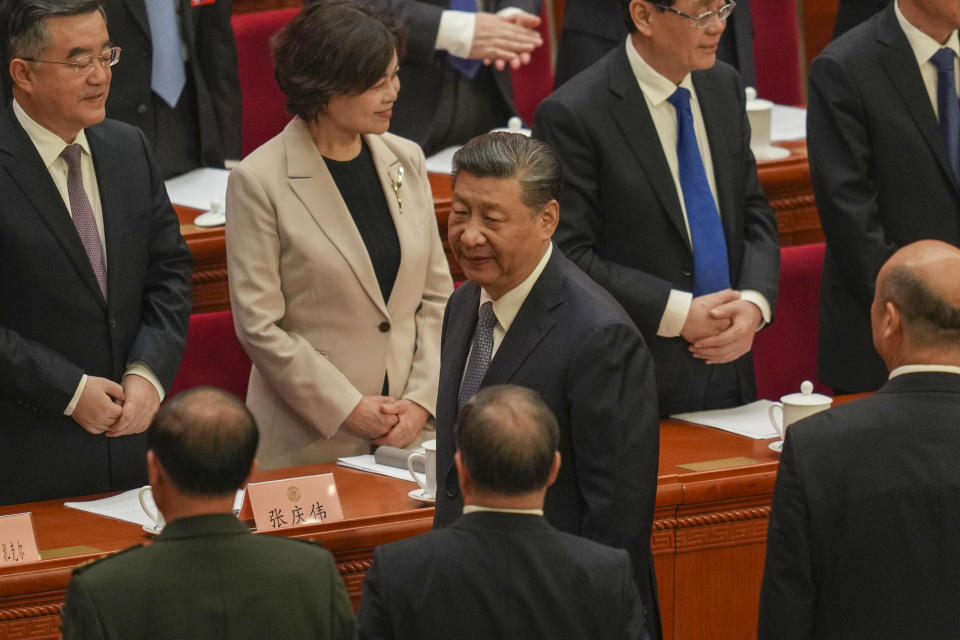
point(480, 354)
point(949, 106)
point(168, 76)
point(82, 214)
point(467, 67)
point(711, 269)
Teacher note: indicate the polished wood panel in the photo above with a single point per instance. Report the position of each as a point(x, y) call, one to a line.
point(818, 18)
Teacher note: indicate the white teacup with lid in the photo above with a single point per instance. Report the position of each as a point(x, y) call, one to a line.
point(796, 406)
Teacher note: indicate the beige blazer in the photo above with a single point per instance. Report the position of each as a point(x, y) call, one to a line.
point(306, 304)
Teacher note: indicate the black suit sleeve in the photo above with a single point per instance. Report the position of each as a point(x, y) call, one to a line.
point(615, 432)
point(841, 163)
point(167, 295)
point(34, 373)
point(217, 58)
point(788, 595)
point(374, 616)
point(79, 614)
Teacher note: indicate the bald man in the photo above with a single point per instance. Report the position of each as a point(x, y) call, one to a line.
point(862, 537)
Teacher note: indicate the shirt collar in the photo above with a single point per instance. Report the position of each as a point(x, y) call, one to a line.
point(924, 368)
point(923, 45)
point(508, 305)
point(656, 87)
point(475, 508)
point(49, 145)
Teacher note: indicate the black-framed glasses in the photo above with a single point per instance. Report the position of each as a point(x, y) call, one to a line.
point(704, 19)
point(84, 64)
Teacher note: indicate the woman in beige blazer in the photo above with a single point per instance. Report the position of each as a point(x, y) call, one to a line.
point(337, 275)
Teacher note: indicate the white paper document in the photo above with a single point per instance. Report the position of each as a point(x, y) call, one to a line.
point(751, 420)
point(788, 123)
point(126, 506)
point(198, 188)
point(367, 463)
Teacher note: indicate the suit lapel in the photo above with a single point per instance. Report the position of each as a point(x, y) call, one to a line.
point(899, 61)
point(313, 184)
point(23, 163)
point(459, 325)
point(717, 120)
point(138, 9)
point(632, 116)
point(532, 324)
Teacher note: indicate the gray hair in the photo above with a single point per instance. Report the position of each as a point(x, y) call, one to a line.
point(506, 436)
point(927, 316)
point(26, 29)
point(513, 155)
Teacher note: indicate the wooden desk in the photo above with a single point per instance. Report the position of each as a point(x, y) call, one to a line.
point(787, 183)
point(708, 540)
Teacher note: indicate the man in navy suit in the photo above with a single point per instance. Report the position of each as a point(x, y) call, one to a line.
point(94, 275)
point(501, 570)
point(862, 536)
point(529, 317)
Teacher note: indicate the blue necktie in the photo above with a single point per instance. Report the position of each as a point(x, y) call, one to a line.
point(480, 354)
point(465, 66)
point(711, 269)
point(168, 76)
point(949, 106)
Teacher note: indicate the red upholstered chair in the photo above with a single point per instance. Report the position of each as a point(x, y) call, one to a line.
point(264, 112)
point(785, 353)
point(213, 356)
point(534, 82)
point(776, 50)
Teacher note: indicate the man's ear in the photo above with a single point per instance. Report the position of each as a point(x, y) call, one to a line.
point(640, 14)
point(22, 74)
point(549, 217)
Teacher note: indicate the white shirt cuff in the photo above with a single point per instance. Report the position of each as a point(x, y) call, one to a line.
point(455, 34)
point(76, 396)
point(509, 11)
point(675, 313)
point(142, 370)
point(760, 300)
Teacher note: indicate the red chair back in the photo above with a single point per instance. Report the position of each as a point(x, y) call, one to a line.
point(776, 50)
point(213, 356)
point(264, 111)
point(534, 82)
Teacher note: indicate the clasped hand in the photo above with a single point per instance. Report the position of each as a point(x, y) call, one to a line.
point(116, 409)
point(386, 421)
point(720, 326)
point(505, 40)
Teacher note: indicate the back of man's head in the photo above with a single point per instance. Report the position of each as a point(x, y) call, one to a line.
point(24, 23)
point(507, 438)
point(205, 439)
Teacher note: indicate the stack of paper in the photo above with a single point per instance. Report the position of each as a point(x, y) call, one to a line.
point(367, 463)
point(751, 420)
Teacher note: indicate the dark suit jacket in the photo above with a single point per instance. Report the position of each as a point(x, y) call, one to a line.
point(499, 575)
point(882, 180)
point(574, 345)
point(423, 69)
point(55, 325)
point(620, 215)
point(862, 537)
point(207, 577)
point(592, 27)
point(850, 13)
point(212, 68)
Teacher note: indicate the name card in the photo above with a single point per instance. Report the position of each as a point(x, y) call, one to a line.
point(18, 542)
point(292, 502)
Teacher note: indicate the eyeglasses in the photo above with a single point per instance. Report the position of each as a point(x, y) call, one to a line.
point(82, 65)
point(704, 19)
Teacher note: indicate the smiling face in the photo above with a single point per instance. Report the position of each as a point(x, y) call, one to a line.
point(367, 112)
point(672, 44)
point(55, 95)
point(497, 239)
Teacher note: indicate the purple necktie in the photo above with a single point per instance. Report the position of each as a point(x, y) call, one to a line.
point(82, 213)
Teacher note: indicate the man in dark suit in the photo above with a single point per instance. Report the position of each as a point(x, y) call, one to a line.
point(501, 570)
point(529, 317)
point(199, 126)
point(881, 171)
point(206, 576)
point(667, 212)
point(866, 506)
point(591, 28)
point(850, 13)
point(447, 100)
point(95, 280)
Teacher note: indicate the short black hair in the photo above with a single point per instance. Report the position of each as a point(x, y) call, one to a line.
point(332, 47)
point(507, 437)
point(206, 440)
point(513, 155)
point(927, 317)
point(24, 23)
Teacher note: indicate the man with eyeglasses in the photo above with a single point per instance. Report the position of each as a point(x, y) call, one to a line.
point(94, 275)
point(662, 204)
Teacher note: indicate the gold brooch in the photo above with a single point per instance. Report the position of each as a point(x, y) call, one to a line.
point(396, 188)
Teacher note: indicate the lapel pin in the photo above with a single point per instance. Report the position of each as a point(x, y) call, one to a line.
point(396, 187)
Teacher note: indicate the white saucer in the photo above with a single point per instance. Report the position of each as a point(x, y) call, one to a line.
point(776, 445)
point(420, 496)
point(152, 529)
point(211, 219)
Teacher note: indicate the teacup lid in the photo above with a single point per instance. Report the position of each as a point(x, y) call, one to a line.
point(806, 396)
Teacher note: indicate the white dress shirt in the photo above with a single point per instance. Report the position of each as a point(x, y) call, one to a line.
point(923, 48)
point(507, 306)
point(455, 35)
point(923, 368)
